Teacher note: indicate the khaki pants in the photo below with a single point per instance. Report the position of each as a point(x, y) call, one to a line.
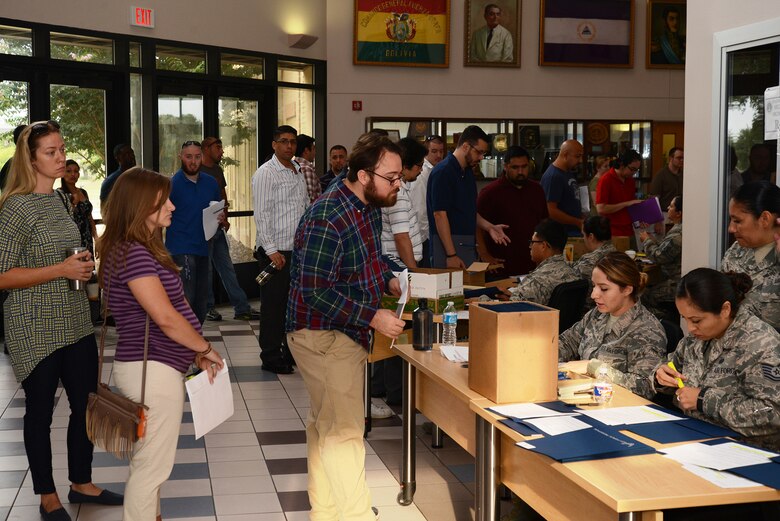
point(333, 367)
point(154, 454)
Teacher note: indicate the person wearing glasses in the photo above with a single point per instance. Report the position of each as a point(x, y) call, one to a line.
point(191, 192)
point(49, 333)
point(560, 187)
point(452, 204)
point(617, 191)
point(546, 247)
point(279, 198)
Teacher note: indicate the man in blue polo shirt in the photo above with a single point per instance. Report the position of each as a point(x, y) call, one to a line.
point(452, 204)
point(191, 192)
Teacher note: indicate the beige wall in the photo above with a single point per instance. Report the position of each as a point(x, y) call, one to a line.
point(256, 25)
point(716, 21)
point(475, 92)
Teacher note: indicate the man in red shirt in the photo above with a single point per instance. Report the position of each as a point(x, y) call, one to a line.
point(617, 191)
point(515, 200)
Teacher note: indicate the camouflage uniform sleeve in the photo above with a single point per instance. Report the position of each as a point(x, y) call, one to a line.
point(569, 340)
point(647, 349)
point(668, 250)
point(677, 357)
point(532, 288)
point(754, 407)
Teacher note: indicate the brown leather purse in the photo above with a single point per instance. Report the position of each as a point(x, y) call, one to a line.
point(114, 422)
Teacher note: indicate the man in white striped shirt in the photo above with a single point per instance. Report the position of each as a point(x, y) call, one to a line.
point(401, 238)
point(279, 198)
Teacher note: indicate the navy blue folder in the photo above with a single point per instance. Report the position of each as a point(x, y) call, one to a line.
point(589, 444)
point(522, 428)
point(766, 473)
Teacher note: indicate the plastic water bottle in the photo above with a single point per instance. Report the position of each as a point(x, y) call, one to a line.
point(422, 326)
point(602, 389)
point(450, 322)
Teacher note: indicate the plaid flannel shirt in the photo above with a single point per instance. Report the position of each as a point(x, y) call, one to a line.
point(337, 272)
point(312, 181)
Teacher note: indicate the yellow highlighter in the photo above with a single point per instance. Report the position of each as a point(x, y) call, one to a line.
point(680, 383)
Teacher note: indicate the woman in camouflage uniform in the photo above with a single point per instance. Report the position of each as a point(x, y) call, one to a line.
point(597, 236)
point(668, 255)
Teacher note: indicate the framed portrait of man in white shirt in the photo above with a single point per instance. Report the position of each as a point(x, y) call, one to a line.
point(492, 33)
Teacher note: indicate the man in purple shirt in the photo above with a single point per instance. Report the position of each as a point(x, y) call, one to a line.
point(337, 280)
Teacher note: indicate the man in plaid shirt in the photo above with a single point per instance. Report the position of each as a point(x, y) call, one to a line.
point(337, 281)
point(304, 155)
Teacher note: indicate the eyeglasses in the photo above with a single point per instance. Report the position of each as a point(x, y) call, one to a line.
point(531, 242)
point(391, 180)
point(43, 128)
point(190, 143)
point(285, 141)
point(634, 169)
point(481, 153)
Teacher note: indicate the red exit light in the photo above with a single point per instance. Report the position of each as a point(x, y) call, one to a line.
point(141, 17)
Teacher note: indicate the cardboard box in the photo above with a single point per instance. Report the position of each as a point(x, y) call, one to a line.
point(513, 351)
point(621, 243)
point(475, 274)
point(577, 247)
point(433, 283)
point(437, 305)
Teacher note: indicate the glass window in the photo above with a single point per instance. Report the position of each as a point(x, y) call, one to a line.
point(180, 119)
point(81, 113)
point(180, 59)
point(242, 66)
point(15, 40)
point(238, 123)
point(14, 110)
point(295, 72)
point(296, 108)
point(135, 54)
point(80, 48)
point(136, 117)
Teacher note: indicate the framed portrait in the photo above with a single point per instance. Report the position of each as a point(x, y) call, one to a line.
point(492, 33)
point(665, 34)
point(586, 33)
point(402, 33)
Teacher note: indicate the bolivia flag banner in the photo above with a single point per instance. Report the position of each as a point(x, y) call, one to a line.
point(402, 32)
point(587, 32)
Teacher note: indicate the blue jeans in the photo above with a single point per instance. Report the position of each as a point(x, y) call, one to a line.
point(221, 261)
point(195, 279)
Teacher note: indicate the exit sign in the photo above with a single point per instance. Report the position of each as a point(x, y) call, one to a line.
point(142, 17)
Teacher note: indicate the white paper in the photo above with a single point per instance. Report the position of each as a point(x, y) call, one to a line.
point(463, 314)
point(554, 425)
point(211, 404)
point(526, 410)
point(403, 278)
point(721, 479)
point(719, 457)
point(772, 113)
point(455, 353)
point(210, 218)
point(629, 415)
point(585, 199)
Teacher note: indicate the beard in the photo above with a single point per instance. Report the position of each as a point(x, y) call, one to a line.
point(188, 172)
point(518, 181)
point(375, 200)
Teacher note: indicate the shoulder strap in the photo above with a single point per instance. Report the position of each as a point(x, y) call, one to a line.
point(104, 328)
point(65, 198)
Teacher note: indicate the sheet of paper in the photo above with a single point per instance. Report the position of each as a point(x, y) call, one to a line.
point(526, 410)
point(585, 199)
point(629, 415)
point(463, 314)
point(722, 456)
point(719, 478)
point(211, 404)
point(455, 353)
point(210, 218)
point(403, 278)
point(772, 113)
point(554, 425)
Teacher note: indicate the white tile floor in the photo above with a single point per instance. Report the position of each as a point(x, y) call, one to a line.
point(251, 468)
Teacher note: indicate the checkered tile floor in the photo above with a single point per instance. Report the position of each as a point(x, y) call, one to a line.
point(252, 467)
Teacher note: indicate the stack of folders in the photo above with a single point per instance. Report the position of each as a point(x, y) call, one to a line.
point(756, 465)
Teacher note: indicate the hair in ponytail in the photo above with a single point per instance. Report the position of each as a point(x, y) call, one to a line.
point(709, 289)
point(620, 269)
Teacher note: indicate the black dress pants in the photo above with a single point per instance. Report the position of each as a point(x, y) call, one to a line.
point(76, 366)
point(273, 314)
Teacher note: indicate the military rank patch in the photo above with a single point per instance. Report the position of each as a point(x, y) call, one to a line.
point(772, 372)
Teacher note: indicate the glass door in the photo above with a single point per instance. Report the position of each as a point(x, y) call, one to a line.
point(180, 119)
point(14, 110)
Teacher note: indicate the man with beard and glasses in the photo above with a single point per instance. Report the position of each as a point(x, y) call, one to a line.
point(279, 198)
point(337, 281)
point(452, 203)
point(517, 201)
point(191, 192)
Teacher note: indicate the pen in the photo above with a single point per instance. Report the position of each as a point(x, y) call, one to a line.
point(762, 409)
point(680, 383)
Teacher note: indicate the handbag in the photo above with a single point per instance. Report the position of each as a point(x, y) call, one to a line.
point(114, 422)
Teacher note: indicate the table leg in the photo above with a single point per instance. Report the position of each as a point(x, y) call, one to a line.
point(437, 437)
point(628, 516)
point(486, 485)
point(408, 455)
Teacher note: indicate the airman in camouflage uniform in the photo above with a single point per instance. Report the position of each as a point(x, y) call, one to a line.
point(738, 376)
point(632, 344)
point(538, 285)
point(668, 255)
point(763, 300)
point(585, 264)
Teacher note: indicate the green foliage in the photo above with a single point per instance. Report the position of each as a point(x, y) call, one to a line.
point(82, 116)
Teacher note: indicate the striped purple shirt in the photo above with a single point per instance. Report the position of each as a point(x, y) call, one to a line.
point(130, 317)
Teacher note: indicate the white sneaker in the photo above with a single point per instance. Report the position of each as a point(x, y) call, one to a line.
point(379, 412)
